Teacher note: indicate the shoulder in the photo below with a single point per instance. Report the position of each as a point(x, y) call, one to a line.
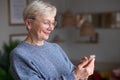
point(19, 51)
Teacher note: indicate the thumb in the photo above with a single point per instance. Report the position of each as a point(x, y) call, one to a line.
point(83, 62)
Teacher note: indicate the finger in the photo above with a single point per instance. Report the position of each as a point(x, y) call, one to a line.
point(83, 73)
point(91, 66)
point(90, 63)
point(89, 71)
point(83, 59)
point(82, 64)
point(92, 60)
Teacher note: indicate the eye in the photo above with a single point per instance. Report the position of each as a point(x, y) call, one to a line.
point(46, 22)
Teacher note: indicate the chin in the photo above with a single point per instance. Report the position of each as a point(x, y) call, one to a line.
point(46, 38)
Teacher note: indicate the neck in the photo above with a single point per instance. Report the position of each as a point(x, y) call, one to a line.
point(33, 41)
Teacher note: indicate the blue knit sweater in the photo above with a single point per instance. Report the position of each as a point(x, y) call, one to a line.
point(47, 62)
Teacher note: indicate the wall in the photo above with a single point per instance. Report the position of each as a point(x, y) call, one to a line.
point(107, 50)
point(5, 28)
point(87, 6)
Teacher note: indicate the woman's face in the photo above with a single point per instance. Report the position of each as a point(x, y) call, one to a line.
point(41, 27)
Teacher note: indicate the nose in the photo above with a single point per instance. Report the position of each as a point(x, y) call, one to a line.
point(51, 28)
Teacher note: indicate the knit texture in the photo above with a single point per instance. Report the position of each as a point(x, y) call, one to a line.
point(47, 62)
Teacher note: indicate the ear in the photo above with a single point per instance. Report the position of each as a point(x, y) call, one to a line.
point(28, 23)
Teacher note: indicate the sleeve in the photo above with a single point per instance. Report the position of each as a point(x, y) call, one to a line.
point(22, 69)
point(69, 64)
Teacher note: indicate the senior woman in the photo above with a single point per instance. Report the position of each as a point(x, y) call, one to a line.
point(35, 58)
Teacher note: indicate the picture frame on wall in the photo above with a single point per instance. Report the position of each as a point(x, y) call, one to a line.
point(16, 8)
point(17, 37)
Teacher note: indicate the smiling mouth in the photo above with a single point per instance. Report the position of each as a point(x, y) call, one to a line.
point(47, 33)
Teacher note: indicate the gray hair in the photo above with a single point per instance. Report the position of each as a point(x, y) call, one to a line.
point(38, 8)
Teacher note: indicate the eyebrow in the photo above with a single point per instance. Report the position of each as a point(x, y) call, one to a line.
point(49, 20)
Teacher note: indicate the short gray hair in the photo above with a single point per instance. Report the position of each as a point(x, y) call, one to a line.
point(38, 8)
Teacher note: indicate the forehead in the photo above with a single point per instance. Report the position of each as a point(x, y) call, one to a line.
point(46, 17)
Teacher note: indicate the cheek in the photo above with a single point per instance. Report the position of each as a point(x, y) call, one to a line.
point(37, 28)
point(42, 29)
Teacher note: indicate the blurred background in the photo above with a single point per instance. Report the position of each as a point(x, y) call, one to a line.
point(85, 27)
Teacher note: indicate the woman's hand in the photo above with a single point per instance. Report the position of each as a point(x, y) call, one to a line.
point(85, 68)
